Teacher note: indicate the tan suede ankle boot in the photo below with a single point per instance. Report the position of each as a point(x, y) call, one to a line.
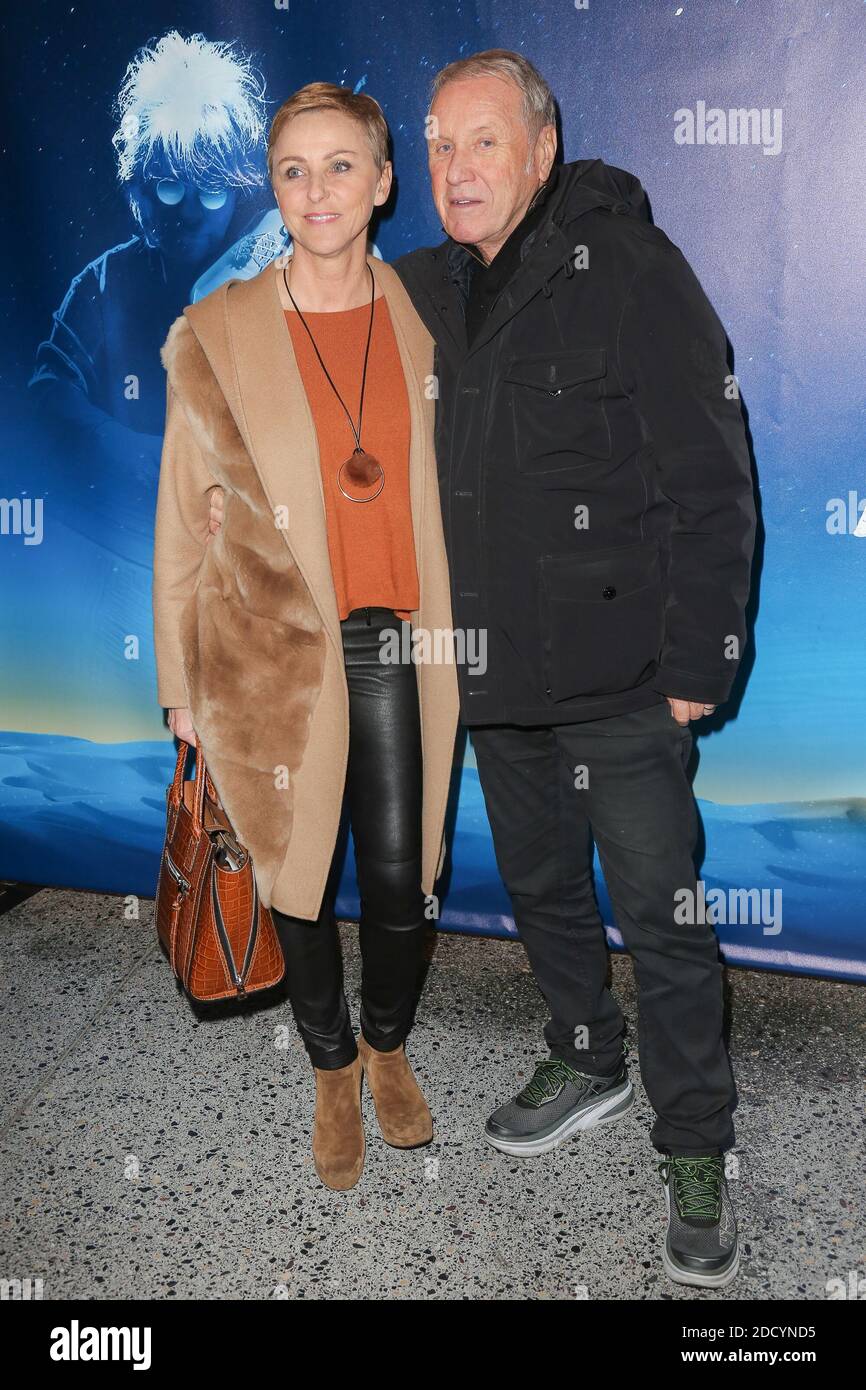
point(338, 1129)
point(403, 1114)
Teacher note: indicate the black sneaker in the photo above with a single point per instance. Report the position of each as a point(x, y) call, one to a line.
point(555, 1104)
point(701, 1245)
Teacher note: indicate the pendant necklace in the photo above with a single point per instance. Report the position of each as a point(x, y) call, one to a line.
point(362, 468)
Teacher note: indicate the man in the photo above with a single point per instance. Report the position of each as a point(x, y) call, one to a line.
point(599, 522)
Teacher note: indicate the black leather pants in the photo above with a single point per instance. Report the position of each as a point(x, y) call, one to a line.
point(383, 790)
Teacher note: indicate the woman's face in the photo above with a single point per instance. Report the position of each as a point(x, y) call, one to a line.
point(325, 181)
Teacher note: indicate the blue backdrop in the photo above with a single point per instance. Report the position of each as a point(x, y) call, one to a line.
point(767, 206)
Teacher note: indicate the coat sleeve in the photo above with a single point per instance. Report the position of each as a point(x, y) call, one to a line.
point(673, 363)
point(180, 541)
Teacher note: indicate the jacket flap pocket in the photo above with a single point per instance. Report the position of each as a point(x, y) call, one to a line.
point(602, 574)
point(553, 372)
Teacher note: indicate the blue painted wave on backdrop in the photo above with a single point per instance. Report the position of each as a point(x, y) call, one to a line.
point(92, 815)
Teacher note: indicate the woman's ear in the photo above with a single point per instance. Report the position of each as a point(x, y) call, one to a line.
point(383, 187)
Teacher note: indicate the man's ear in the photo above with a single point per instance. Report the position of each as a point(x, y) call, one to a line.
point(545, 150)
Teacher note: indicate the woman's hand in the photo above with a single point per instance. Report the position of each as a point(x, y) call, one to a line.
point(215, 517)
point(180, 723)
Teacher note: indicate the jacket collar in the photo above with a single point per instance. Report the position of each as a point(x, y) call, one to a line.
point(546, 251)
point(242, 329)
point(464, 260)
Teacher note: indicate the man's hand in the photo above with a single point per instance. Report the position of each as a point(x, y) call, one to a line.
point(215, 519)
point(684, 710)
point(180, 723)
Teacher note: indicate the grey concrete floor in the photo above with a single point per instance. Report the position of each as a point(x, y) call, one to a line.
point(148, 1154)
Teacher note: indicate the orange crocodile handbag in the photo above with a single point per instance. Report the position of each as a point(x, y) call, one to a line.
point(220, 939)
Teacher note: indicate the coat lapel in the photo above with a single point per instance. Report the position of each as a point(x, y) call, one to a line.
point(274, 417)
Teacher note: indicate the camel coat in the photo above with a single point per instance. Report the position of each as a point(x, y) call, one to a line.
point(246, 626)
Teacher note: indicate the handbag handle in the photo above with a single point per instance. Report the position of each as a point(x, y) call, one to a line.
point(203, 783)
point(198, 794)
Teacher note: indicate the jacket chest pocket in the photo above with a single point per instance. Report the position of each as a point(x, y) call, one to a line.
point(602, 619)
point(557, 409)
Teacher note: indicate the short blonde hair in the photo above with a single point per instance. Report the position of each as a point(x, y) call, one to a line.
point(326, 96)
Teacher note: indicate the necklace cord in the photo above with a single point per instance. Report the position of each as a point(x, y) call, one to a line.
point(355, 432)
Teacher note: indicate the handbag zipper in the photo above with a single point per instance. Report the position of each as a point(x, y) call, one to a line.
point(222, 936)
point(176, 873)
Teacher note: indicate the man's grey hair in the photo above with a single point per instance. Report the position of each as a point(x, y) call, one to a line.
point(538, 105)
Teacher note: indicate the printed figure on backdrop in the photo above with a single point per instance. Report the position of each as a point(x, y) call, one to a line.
point(188, 142)
point(191, 122)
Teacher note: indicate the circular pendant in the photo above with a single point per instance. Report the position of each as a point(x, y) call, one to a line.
point(363, 472)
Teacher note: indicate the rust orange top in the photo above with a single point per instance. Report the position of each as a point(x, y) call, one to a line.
point(371, 544)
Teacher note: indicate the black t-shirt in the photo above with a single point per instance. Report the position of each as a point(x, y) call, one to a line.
point(488, 281)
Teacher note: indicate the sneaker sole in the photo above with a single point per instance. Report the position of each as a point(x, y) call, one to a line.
point(701, 1281)
point(688, 1276)
point(605, 1111)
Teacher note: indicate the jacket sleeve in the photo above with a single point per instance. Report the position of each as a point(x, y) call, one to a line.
point(180, 541)
point(673, 363)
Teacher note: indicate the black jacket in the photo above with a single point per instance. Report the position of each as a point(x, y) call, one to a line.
point(593, 466)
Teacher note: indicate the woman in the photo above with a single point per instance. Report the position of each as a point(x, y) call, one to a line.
point(302, 393)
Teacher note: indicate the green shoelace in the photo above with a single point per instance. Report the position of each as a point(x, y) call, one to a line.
point(549, 1076)
point(697, 1184)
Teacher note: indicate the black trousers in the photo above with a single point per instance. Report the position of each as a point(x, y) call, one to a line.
point(383, 790)
point(622, 781)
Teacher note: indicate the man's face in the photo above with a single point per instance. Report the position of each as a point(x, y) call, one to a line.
point(485, 166)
